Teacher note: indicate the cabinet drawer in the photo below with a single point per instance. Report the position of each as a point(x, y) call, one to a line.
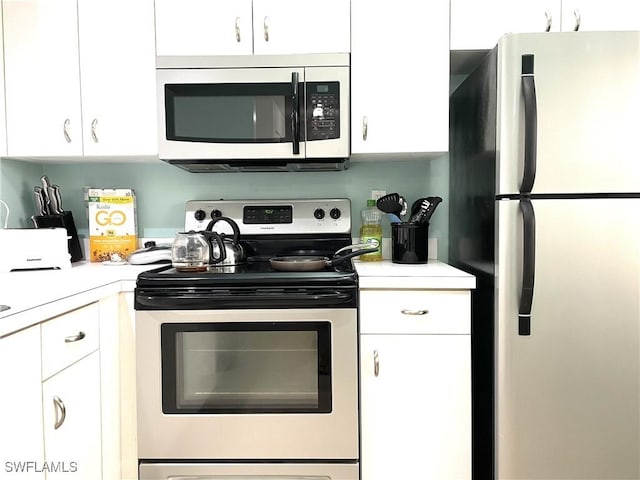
point(68, 338)
point(415, 311)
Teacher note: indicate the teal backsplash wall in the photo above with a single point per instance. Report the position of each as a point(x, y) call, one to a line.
point(162, 190)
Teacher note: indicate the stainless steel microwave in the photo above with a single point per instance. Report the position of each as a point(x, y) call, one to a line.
point(254, 113)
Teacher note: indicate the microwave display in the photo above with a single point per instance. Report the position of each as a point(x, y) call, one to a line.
point(323, 110)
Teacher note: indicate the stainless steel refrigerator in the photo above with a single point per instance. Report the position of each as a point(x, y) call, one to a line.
point(544, 209)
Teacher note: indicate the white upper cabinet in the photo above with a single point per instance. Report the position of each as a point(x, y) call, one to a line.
point(118, 78)
point(204, 27)
point(592, 15)
point(399, 76)
point(3, 125)
point(245, 27)
point(477, 25)
point(80, 78)
point(292, 26)
point(42, 81)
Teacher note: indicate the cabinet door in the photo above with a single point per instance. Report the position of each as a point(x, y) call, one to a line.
point(71, 401)
point(203, 27)
point(118, 78)
point(291, 26)
point(3, 125)
point(415, 406)
point(21, 404)
point(42, 79)
point(478, 25)
point(399, 76)
point(600, 15)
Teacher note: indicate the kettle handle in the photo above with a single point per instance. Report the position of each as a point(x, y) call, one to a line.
point(208, 235)
point(233, 224)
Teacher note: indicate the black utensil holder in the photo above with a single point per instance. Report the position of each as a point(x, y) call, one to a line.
point(64, 220)
point(409, 242)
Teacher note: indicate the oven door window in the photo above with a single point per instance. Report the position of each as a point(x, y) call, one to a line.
point(256, 367)
point(229, 112)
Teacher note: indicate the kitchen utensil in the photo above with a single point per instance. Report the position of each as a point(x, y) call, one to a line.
point(403, 202)
point(393, 218)
point(151, 254)
point(390, 203)
point(304, 263)
point(44, 180)
point(435, 201)
point(421, 211)
point(415, 206)
point(55, 198)
point(39, 201)
point(234, 253)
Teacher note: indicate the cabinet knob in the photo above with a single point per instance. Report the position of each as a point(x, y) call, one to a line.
point(94, 130)
point(58, 405)
point(365, 127)
point(405, 311)
point(265, 26)
point(376, 363)
point(576, 15)
point(549, 17)
point(75, 338)
point(238, 29)
point(65, 130)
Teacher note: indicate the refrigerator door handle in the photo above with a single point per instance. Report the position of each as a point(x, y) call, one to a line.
point(528, 266)
point(530, 124)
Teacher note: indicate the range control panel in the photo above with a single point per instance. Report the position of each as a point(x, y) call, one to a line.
point(270, 217)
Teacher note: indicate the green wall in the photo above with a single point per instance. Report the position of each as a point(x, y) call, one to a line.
point(162, 189)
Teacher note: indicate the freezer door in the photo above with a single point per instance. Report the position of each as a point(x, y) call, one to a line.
point(581, 94)
point(568, 393)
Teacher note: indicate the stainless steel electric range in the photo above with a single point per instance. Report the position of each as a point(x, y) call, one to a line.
point(245, 371)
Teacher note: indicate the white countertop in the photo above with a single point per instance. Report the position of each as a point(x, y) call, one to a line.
point(431, 275)
point(37, 295)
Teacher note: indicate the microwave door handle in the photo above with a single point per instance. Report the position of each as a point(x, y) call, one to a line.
point(295, 113)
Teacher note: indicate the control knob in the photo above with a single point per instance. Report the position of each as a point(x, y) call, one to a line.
point(200, 215)
point(335, 213)
point(318, 213)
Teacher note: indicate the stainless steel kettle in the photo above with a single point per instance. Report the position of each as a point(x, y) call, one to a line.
point(233, 252)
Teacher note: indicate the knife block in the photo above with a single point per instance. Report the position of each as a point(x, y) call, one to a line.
point(64, 220)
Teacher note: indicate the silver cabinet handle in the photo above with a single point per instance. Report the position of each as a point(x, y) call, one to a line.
point(365, 127)
point(549, 18)
point(376, 363)
point(75, 338)
point(576, 14)
point(58, 405)
point(65, 130)
point(238, 29)
point(94, 130)
point(405, 311)
point(265, 25)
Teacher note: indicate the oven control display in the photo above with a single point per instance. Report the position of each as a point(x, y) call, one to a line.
point(267, 214)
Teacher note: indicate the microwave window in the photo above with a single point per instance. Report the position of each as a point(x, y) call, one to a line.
point(229, 113)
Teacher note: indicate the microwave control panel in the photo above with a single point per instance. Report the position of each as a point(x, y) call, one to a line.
point(323, 110)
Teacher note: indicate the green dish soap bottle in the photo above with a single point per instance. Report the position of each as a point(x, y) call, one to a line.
point(371, 229)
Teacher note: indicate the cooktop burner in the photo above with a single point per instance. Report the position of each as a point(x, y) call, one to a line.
point(268, 228)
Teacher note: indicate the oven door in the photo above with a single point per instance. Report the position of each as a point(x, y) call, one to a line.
point(230, 113)
point(247, 384)
point(189, 471)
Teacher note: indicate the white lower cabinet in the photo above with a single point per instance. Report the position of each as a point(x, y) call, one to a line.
point(21, 437)
point(415, 360)
point(72, 435)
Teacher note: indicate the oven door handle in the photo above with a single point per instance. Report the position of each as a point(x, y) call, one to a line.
point(218, 301)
